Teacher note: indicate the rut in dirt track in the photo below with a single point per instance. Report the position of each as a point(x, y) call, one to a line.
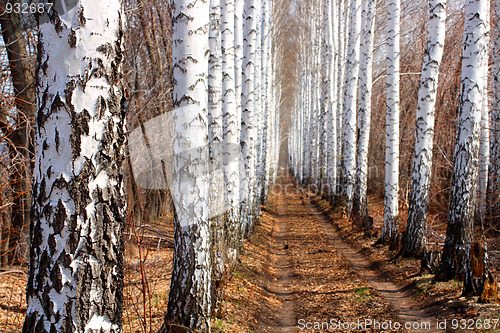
point(310, 275)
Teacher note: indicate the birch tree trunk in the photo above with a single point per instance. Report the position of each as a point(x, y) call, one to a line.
point(349, 107)
point(494, 169)
point(465, 169)
point(248, 140)
point(484, 137)
point(216, 165)
point(343, 25)
point(364, 107)
point(415, 240)
point(265, 55)
point(75, 278)
point(189, 298)
point(332, 106)
point(238, 63)
point(391, 197)
point(231, 128)
point(325, 117)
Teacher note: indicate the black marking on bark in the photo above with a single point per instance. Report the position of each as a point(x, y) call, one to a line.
point(44, 66)
point(55, 278)
point(57, 140)
point(52, 244)
point(59, 217)
point(79, 189)
point(105, 49)
point(36, 240)
point(68, 94)
point(81, 18)
point(101, 107)
point(47, 212)
point(79, 127)
point(72, 38)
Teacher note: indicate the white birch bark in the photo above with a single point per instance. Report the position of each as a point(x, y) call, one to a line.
point(465, 169)
point(391, 196)
point(332, 106)
point(231, 126)
point(248, 140)
point(189, 298)
point(364, 106)
point(326, 55)
point(349, 107)
point(215, 111)
point(75, 277)
point(216, 153)
point(416, 230)
point(343, 25)
point(484, 139)
point(258, 109)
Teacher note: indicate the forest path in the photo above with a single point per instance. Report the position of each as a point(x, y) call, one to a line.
point(308, 279)
point(406, 307)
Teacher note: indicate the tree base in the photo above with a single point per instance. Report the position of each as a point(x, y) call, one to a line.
point(430, 262)
point(478, 280)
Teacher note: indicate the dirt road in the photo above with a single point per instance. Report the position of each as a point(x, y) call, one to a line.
point(309, 279)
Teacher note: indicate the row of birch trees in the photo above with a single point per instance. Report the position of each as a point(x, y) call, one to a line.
point(225, 152)
point(329, 136)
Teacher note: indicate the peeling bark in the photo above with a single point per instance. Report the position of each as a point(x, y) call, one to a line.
point(459, 231)
point(415, 240)
point(75, 278)
point(391, 188)
point(189, 302)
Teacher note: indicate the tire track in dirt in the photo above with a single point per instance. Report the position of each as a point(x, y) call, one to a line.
point(304, 279)
point(278, 280)
point(401, 300)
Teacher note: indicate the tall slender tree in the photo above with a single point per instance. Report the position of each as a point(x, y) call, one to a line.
point(216, 150)
point(494, 169)
point(391, 196)
point(364, 106)
point(484, 136)
point(76, 277)
point(416, 231)
point(349, 106)
point(459, 232)
point(248, 140)
point(332, 93)
point(231, 127)
point(189, 300)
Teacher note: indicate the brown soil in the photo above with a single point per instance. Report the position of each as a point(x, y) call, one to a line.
point(306, 264)
point(303, 267)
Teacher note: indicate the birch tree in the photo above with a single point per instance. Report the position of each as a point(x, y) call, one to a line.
point(75, 277)
point(391, 196)
point(364, 106)
point(325, 117)
point(416, 231)
point(248, 140)
point(189, 298)
point(465, 169)
point(332, 93)
point(484, 137)
point(216, 166)
point(494, 169)
point(343, 26)
point(349, 106)
point(231, 126)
